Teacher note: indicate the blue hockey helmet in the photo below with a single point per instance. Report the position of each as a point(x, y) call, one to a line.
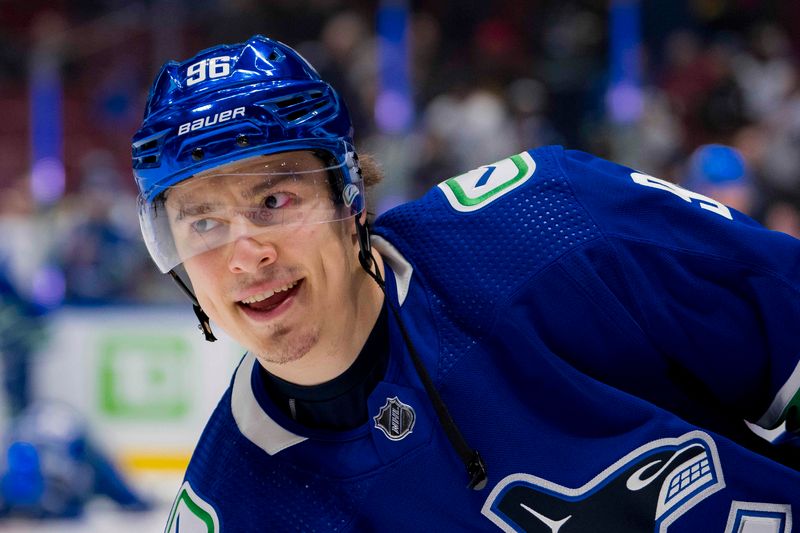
point(233, 102)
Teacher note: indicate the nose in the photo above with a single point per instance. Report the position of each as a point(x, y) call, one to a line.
point(250, 253)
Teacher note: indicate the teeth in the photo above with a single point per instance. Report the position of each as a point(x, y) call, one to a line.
point(267, 294)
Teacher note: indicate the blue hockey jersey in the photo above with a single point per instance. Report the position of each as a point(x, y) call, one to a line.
point(598, 334)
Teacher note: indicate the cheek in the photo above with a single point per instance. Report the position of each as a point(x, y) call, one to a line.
point(337, 251)
point(204, 277)
point(327, 255)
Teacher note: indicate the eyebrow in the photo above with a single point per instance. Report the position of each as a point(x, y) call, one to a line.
point(260, 187)
point(190, 210)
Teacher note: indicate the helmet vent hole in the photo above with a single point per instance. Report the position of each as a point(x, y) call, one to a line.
point(242, 140)
point(150, 159)
point(290, 101)
point(294, 115)
point(273, 55)
point(197, 154)
point(148, 145)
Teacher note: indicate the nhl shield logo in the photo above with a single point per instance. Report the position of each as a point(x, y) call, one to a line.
point(395, 419)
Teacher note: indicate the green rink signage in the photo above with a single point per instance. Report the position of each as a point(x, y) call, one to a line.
point(144, 377)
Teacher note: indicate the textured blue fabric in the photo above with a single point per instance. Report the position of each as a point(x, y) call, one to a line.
point(598, 339)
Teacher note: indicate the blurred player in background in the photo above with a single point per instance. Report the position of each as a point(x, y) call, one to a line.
point(22, 329)
point(598, 334)
point(49, 465)
point(721, 172)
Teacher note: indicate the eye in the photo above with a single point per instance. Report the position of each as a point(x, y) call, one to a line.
point(277, 200)
point(204, 225)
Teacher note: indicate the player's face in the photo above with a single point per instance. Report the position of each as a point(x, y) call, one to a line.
point(287, 291)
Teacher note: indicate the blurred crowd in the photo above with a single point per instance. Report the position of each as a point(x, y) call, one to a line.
point(718, 107)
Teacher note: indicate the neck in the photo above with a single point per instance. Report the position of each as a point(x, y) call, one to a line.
point(328, 360)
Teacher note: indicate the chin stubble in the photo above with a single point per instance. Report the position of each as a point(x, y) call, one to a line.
point(288, 346)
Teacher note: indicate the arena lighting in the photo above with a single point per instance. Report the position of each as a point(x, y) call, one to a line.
point(47, 132)
point(624, 99)
point(394, 107)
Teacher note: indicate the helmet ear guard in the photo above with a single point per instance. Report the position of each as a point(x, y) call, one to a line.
point(354, 199)
point(352, 194)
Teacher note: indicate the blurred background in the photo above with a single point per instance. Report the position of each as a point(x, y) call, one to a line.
point(107, 383)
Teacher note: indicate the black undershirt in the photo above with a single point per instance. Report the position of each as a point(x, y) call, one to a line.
point(341, 403)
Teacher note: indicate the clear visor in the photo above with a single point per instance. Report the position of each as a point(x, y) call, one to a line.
point(247, 199)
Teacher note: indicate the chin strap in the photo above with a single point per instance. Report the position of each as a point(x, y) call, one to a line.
point(202, 317)
point(476, 468)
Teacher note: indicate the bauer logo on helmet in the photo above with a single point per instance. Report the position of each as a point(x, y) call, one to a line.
point(216, 118)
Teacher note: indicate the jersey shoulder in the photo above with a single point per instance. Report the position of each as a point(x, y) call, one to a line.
point(476, 238)
point(492, 218)
point(234, 484)
point(536, 206)
point(637, 209)
point(197, 505)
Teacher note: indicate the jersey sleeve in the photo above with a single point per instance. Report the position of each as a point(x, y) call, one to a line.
point(705, 286)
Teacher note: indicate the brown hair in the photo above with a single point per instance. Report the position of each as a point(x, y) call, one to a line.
point(371, 171)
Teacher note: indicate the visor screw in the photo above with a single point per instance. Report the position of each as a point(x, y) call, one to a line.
point(242, 140)
point(197, 154)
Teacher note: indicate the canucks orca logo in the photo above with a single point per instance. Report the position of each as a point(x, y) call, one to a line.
point(645, 491)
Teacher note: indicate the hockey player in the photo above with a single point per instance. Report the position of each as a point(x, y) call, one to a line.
point(599, 335)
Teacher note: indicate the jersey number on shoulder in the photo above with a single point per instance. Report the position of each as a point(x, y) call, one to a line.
point(477, 188)
point(704, 202)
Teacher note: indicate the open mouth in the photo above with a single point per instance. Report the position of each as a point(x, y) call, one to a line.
point(270, 300)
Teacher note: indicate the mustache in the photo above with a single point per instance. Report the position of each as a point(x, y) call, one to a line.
point(269, 274)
